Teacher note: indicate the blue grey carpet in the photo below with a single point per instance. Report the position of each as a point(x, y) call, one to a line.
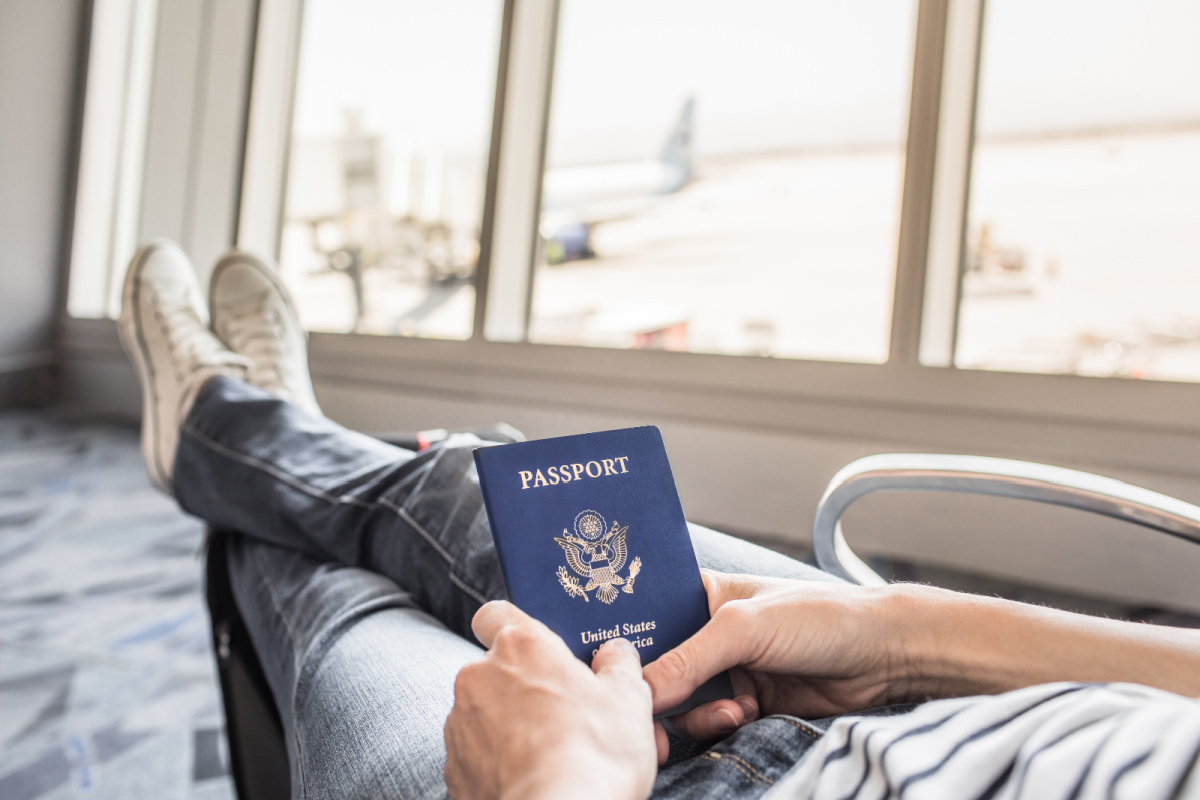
point(108, 686)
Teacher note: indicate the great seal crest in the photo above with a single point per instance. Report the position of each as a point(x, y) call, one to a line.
point(598, 556)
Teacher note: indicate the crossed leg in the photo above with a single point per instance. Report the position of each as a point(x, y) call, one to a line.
point(360, 565)
point(360, 568)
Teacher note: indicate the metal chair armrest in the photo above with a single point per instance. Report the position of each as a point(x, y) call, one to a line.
point(1000, 477)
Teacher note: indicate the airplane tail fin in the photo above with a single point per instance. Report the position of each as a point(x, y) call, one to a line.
point(677, 152)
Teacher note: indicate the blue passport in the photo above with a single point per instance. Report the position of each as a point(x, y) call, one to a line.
point(593, 542)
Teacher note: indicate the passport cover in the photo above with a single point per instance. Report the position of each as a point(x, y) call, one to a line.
point(593, 542)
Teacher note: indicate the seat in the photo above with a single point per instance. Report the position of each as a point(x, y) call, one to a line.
point(999, 477)
point(258, 760)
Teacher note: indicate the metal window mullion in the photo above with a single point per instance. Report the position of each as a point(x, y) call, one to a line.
point(917, 198)
point(519, 151)
point(216, 157)
point(487, 223)
point(196, 126)
point(951, 183)
point(268, 131)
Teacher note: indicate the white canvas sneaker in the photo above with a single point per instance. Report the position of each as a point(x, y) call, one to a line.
point(164, 327)
point(253, 314)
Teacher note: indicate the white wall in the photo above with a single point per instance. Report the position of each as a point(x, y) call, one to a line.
point(40, 44)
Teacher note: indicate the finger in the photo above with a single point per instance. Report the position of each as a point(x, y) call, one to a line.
point(749, 706)
point(661, 743)
point(722, 587)
point(618, 661)
point(493, 616)
point(717, 719)
point(743, 684)
point(719, 645)
point(714, 720)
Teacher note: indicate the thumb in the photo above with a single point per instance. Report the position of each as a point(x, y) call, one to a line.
point(618, 661)
point(677, 673)
point(722, 643)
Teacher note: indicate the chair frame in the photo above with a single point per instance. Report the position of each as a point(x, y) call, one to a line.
point(999, 477)
point(258, 759)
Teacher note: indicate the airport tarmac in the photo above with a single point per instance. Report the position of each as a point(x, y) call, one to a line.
point(1096, 269)
point(1108, 225)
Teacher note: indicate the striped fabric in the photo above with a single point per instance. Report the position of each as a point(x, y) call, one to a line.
point(1059, 740)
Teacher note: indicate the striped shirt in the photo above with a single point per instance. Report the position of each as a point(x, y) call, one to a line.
point(1059, 740)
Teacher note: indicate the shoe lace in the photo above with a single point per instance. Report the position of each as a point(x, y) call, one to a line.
point(258, 331)
point(187, 337)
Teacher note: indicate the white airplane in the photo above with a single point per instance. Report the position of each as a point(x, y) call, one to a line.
point(575, 199)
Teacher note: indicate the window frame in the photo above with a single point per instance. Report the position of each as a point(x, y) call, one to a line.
point(1126, 424)
point(754, 439)
point(917, 390)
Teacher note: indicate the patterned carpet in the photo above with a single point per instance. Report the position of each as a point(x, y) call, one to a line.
point(107, 681)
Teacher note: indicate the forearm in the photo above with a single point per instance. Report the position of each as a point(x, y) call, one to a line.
point(954, 645)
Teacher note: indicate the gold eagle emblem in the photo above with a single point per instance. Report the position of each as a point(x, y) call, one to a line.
point(598, 556)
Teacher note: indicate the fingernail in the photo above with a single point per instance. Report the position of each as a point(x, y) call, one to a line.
point(724, 721)
point(748, 705)
point(624, 644)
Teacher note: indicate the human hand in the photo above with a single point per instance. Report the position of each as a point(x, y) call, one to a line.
point(531, 720)
point(792, 647)
point(819, 649)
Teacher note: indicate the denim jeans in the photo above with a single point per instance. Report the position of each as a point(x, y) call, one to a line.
point(358, 572)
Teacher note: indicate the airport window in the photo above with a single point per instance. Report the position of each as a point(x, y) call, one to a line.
point(388, 159)
point(1081, 253)
point(724, 179)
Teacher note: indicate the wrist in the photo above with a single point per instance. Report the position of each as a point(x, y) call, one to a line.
point(945, 644)
point(580, 773)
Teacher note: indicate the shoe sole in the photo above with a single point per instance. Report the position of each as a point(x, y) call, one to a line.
point(139, 351)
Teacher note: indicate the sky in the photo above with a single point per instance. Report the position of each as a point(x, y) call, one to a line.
point(766, 74)
point(1051, 65)
point(421, 70)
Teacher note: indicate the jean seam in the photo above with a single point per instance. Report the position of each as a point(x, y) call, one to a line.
point(312, 491)
point(747, 765)
point(416, 526)
point(278, 474)
point(750, 772)
point(810, 731)
point(461, 584)
point(357, 474)
point(409, 520)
